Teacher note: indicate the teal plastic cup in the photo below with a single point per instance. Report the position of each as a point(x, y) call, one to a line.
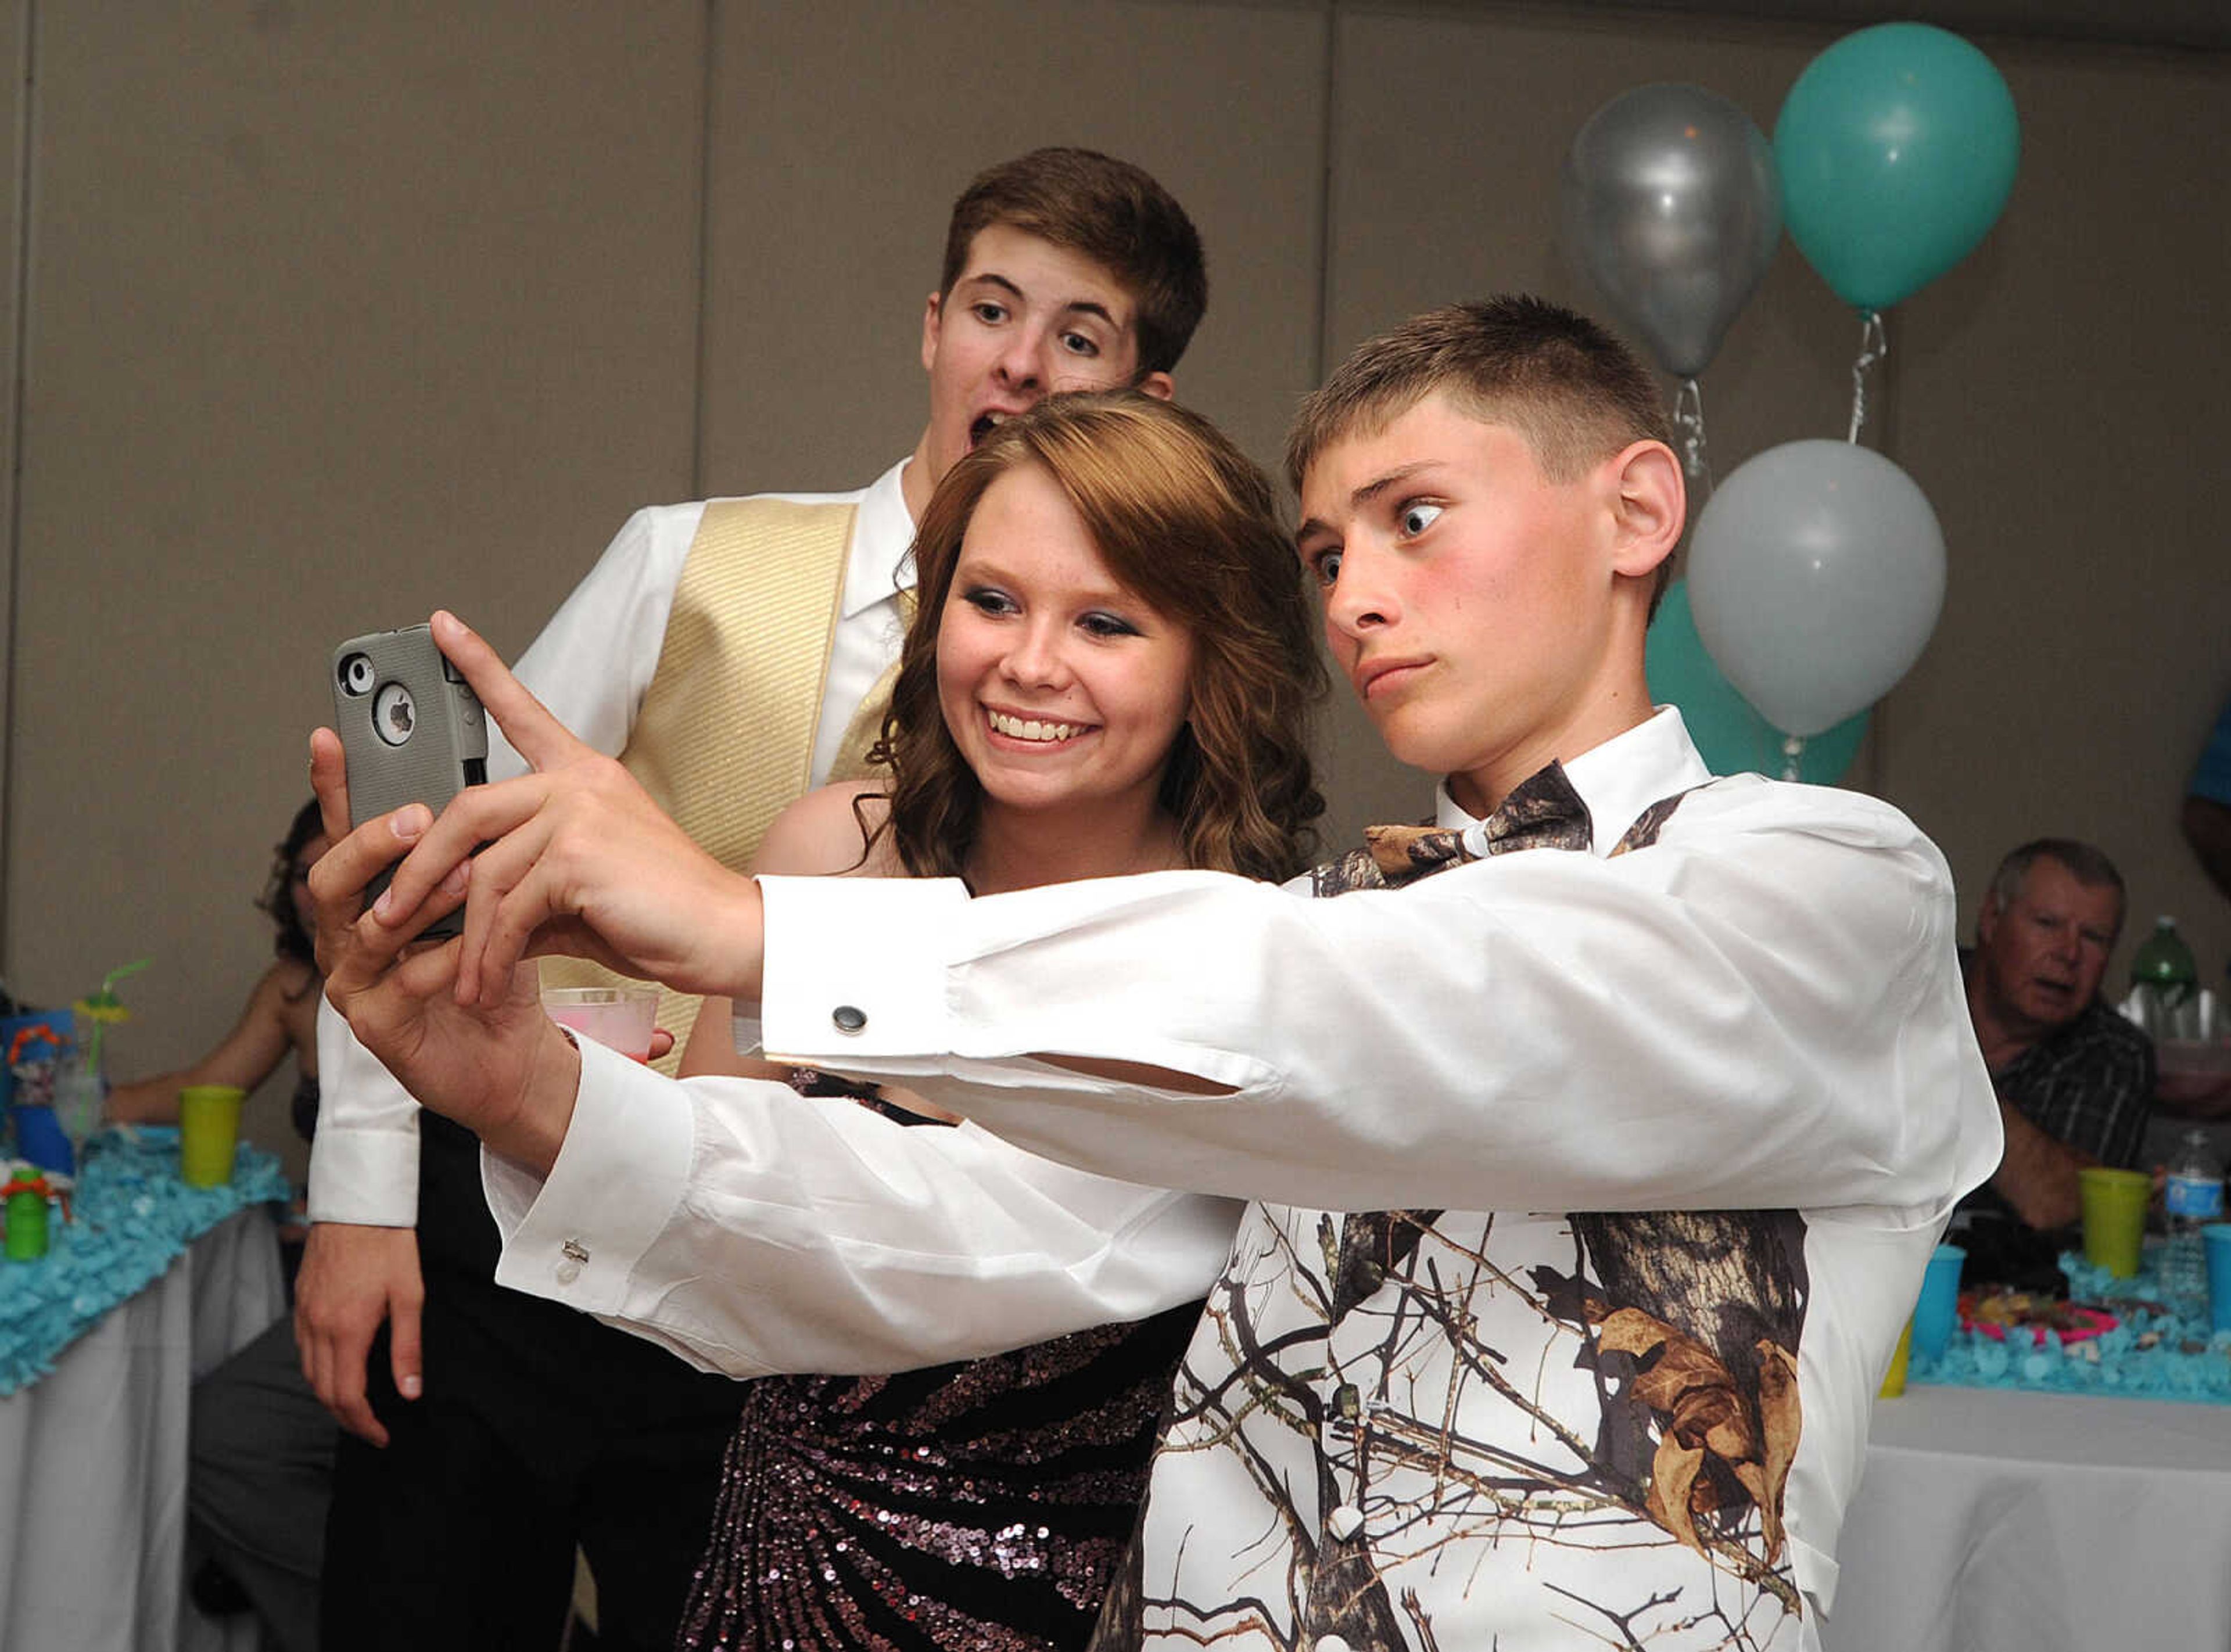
point(2217, 1238)
point(1937, 1312)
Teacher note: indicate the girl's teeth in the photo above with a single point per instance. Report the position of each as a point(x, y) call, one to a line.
point(1031, 728)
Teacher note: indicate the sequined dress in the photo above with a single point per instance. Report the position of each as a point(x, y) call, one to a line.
point(980, 1506)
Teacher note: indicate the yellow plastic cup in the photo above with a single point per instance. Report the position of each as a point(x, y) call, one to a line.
point(2114, 1216)
point(209, 1128)
point(1893, 1381)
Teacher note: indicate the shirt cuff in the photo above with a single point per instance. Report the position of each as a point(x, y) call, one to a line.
point(576, 1236)
point(369, 1177)
point(364, 1158)
point(858, 966)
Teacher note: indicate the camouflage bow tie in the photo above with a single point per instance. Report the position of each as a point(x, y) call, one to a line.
point(1542, 812)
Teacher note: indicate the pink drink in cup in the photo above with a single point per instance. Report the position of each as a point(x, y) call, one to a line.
point(618, 1018)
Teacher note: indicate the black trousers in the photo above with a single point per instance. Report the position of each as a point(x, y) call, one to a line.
point(539, 1429)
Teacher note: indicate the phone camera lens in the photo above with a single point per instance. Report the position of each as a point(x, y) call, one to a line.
point(356, 673)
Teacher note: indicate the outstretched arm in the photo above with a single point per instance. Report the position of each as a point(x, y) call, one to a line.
point(2038, 1176)
point(1762, 1010)
point(259, 1040)
point(753, 1229)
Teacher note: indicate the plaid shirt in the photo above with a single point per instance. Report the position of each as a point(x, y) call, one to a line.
point(2089, 1084)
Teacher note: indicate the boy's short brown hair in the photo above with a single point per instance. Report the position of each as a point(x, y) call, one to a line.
point(1568, 385)
point(1109, 211)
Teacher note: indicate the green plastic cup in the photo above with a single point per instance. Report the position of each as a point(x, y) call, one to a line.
point(2114, 1216)
point(26, 1226)
point(209, 1128)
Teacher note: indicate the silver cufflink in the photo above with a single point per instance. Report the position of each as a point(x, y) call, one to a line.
point(849, 1018)
point(574, 1254)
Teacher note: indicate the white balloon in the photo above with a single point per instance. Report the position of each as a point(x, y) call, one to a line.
point(1815, 577)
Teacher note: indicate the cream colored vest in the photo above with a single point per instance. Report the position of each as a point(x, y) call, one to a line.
point(725, 736)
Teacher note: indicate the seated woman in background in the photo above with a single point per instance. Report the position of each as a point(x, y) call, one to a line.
point(281, 1014)
point(1111, 671)
point(259, 1465)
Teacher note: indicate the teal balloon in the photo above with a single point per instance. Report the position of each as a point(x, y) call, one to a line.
point(1897, 148)
point(1730, 735)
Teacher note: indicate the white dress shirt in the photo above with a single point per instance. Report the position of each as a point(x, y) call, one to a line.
point(591, 666)
point(751, 1229)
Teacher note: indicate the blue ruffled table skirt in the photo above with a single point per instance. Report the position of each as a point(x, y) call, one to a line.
point(131, 1216)
point(2162, 1348)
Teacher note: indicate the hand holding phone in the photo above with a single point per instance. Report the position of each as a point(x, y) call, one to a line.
point(573, 856)
point(411, 728)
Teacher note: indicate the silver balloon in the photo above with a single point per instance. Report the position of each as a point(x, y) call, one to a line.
point(1672, 204)
point(1815, 577)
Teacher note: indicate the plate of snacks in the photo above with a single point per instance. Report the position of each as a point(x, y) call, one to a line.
point(1995, 1312)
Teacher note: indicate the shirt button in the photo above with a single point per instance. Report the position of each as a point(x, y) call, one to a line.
point(849, 1018)
point(1332, 1644)
point(1345, 1522)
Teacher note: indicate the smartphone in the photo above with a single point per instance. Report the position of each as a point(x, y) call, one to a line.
point(411, 727)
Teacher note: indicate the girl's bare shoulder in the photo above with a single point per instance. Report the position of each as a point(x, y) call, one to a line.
point(824, 833)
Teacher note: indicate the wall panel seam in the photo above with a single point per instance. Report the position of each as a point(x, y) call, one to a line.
point(700, 375)
point(11, 553)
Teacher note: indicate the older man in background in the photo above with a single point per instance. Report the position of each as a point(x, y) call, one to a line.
point(2075, 1080)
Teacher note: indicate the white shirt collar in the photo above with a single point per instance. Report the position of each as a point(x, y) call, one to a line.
point(1618, 779)
point(876, 565)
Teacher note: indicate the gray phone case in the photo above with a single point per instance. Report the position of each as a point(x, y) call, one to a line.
point(413, 729)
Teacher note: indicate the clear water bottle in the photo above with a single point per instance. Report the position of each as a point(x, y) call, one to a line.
point(2165, 985)
point(2193, 1198)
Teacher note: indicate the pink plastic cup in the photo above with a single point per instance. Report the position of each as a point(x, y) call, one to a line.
point(618, 1018)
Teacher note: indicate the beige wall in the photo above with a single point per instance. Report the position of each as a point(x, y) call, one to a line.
point(15, 50)
point(334, 313)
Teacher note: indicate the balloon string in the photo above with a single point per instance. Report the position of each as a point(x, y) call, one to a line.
point(1688, 420)
point(1793, 752)
point(1874, 346)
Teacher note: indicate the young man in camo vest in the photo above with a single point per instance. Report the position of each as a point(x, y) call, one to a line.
point(1595, 1140)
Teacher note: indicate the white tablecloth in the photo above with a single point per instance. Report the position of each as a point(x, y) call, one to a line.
point(1994, 1521)
point(92, 1456)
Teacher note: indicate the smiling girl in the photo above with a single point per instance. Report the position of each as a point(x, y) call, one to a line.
point(1111, 671)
